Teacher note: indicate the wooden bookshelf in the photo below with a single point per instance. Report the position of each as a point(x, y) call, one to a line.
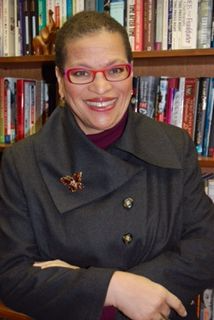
point(174, 63)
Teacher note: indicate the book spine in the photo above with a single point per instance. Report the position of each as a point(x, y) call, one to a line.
point(130, 22)
point(201, 111)
point(189, 24)
point(117, 11)
point(20, 109)
point(208, 118)
point(159, 25)
point(165, 25)
point(1, 28)
point(171, 91)
point(211, 140)
point(1, 110)
point(204, 23)
point(161, 98)
point(169, 35)
point(90, 5)
point(178, 104)
point(190, 91)
point(69, 8)
point(149, 25)
point(138, 45)
point(8, 28)
point(42, 14)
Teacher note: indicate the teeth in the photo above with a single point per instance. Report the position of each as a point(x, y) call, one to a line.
point(101, 104)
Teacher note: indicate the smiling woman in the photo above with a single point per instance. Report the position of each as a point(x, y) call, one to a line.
point(103, 213)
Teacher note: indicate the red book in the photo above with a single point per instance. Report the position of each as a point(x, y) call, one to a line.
point(173, 84)
point(148, 24)
point(138, 44)
point(20, 109)
point(190, 105)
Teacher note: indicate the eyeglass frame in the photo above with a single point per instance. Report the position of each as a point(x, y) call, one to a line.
point(94, 72)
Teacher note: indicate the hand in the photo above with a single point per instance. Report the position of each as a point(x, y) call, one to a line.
point(54, 263)
point(140, 298)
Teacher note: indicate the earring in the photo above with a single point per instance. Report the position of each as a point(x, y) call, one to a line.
point(61, 102)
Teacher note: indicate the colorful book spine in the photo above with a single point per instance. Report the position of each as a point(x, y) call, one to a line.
point(138, 45)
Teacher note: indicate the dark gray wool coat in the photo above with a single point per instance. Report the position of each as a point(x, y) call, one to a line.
point(165, 234)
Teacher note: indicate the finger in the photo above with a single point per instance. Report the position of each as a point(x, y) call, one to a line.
point(176, 304)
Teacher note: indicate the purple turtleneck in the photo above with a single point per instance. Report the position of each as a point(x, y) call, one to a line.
point(103, 140)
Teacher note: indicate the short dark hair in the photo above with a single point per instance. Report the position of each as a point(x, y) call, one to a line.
point(84, 23)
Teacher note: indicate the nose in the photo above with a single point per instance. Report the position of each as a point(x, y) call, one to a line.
point(100, 85)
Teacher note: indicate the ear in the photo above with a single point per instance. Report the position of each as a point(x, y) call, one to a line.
point(60, 81)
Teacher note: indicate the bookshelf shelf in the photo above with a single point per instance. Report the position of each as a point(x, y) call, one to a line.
point(186, 63)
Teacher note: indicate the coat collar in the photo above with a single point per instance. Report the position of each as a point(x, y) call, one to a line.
point(62, 149)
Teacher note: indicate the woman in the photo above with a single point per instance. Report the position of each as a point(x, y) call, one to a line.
point(103, 207)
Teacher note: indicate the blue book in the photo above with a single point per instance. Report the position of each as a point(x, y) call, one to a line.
point(208, 118)
point(69, 8)
point(117, 10)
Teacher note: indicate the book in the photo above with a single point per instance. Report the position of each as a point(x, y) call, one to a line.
point(147, 94)
point(1, 110)
point(138, 44)
point(9, 105)
point(169, 31)
point(165, 26)
point(41, 14)
point(178, 104)
point(69, 8)
point(158, 25)
point(211, 139)
point(190, 105)
point(8, 28)
point(161, 98)
point(1, 28)
point(90, 5)
point(205, 9)
point(149, 25)
point(208, 118)
point(130, 22)
point(201, 111)
point(172, 88)
point(189, 24)
point(117, 10)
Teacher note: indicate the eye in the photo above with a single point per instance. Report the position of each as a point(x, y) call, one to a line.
point(116, 70)
point(80, 73)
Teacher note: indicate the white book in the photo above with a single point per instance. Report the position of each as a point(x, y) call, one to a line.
point(79, 6)
point(204, 25)
point(165, 26)
point(117, 8)
point(8, 28)
point(189, 24)
point(130, 22)
point(178, 104)
point(159, 25)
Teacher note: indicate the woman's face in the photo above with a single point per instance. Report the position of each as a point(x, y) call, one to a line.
point(101, 104)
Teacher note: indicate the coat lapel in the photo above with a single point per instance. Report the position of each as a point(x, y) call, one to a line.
point(62, 149)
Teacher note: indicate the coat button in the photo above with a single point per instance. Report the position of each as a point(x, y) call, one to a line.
point(128, 203)
point(127, 238)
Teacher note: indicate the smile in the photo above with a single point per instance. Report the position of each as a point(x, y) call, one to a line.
point(100, 104)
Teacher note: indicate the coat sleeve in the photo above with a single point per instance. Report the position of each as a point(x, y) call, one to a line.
point(187, 269)
point(43, 294)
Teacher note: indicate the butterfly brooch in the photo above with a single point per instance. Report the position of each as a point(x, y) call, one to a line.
point(73, 182)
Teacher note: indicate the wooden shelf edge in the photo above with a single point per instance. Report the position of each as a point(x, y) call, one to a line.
point(136, 55)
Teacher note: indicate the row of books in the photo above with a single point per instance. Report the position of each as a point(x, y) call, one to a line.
point(184, 102)
point(151, 24)
point(25, 105)
point(22, 20)
point(166, 24)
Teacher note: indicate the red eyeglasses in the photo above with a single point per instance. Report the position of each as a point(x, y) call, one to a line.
point(81, 75)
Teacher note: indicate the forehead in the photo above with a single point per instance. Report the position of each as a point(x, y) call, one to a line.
point(96, 48)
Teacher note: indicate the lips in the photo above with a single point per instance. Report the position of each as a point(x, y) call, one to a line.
point(100, 104)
